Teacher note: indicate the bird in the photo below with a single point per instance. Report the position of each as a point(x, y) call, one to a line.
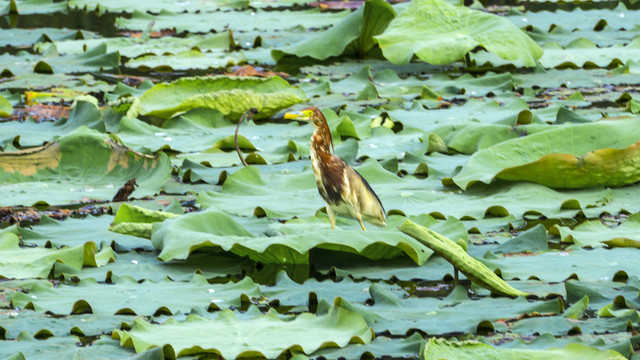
point(344, 191)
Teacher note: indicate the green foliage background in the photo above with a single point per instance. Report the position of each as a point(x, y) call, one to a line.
point(512, 129)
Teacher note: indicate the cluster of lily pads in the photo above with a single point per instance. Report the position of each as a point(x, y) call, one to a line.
point(509, 129)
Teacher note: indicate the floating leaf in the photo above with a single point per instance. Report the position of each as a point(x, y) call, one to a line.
point(141, 299)
point(232, 96)
point(444, 349)
point(83, 164)
point(595, 234)
point(263, 336)
point(440, 33)
point(455, 313)
point(22, 263)
point(571, 156)
point(289, 243)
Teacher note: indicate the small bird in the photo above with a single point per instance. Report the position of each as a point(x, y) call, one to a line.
point(344, 191)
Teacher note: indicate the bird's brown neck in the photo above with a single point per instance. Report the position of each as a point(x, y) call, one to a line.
point(321, 141)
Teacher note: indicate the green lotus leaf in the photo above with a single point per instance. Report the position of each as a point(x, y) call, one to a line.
point(554, 266)
point(144, 265)
point(186, 60)
point(262, 336)
point(440, 33)
point(352, 35)
point(26, 346)
point(153, 6)
point(83, 164)
point(89, 296)
point(51, 62)
point(570, 156)
point(444, 349)
point(288, 243)
point(73, 232)
point(454, 313)
point(32, 7)
point(595, 234)
point(241, 21)
point(22, 263)
point(232, 96)
point(40, 325)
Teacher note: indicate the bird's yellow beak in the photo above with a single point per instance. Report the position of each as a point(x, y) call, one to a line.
point(299, 115)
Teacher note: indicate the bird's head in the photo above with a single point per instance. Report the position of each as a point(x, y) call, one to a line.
point(311, 114)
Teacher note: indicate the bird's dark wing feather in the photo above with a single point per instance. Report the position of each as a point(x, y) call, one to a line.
point(332, 173)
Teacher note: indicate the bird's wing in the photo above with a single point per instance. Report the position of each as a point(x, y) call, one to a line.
point(368, 201)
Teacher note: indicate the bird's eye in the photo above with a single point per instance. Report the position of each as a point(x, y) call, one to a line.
point(308, 113)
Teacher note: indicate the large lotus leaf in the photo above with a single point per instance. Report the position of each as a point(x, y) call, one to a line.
point(40, 325)
point(440, 33)
point(80, 165)
point(605, 37)
point(554, 266)
point(232, 96)
point(579, 53)
point(146, 266)
point(72, 232)
point(31, 133)
point(207, 132)
point(561, 326)
point(123, 6)
point(583, 52)
point(22, 37)
point(500, 200)
point(474, 112)
point(186, 60)
point(51, 62)
point(457, 256)
point(22, 263)
point(443, 349)
point(577, 18)
point(595, 234)
point(261, 336)
point(220, 21)
point(353, 34)
point(290, 293)
point(569, 156)
point(277, 243)
point(380, 347)
point(134, 47)
point(141, 299)
point(456, 313)
point(601, 293)
point(69, 347)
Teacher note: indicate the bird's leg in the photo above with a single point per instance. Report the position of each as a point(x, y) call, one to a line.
point(332, 217)
point(357, 216)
